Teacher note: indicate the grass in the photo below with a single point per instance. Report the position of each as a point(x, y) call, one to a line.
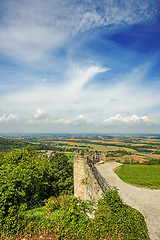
point(141, 175)
point(38, 218)
point(70, 156)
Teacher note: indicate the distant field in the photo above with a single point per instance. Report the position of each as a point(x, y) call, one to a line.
point(141, 175)
point(131, 158)
point(151, 156)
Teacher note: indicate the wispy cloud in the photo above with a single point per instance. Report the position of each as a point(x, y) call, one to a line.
point(31, 30)
point(81, 76)
point(129, 91)
point(59, 67)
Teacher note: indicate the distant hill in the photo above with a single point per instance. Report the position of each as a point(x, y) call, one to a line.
point(9, 144)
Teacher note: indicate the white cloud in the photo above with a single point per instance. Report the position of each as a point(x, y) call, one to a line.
point(81, 76)
point(128, 119)
point(32, 30)
point(40, 114)
point(79, 120)
point(55, 99)
point(57, 77)
point(7, 117)
point(128, 95)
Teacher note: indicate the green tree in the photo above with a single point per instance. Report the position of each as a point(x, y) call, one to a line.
point(27, 179)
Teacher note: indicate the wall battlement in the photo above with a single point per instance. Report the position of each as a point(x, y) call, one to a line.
point(88, 183)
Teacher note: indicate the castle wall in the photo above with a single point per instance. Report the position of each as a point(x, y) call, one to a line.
point(85, 184)
point(79, 175)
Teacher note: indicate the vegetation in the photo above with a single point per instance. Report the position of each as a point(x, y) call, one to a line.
point(70, 156)
point(138, 174)
point(27, 179)
point(117, 153)
point(119, 148)
point(153, 161)
point(9, 144)
point(70, 218)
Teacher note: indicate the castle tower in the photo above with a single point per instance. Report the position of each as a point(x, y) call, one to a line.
point(85, 184)
point(79, 174)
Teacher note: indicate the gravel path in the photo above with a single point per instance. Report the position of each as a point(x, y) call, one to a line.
point(146, 201)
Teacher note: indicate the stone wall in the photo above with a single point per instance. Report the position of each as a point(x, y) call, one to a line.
point(85, 183)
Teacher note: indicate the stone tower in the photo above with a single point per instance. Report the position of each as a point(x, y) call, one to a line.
point(85, 184)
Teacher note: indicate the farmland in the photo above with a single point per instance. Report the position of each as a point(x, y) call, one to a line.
point(41, 156)
point(120, 148)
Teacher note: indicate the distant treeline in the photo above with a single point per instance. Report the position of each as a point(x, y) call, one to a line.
point(7, 145)
point(118, 153)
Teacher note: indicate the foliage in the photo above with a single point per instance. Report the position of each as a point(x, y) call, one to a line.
point(112, 219)
point(27, 179)
point(72, 218)
point(70, 156)
point(9, 144)
point(152, 161)
point(54, 203)
point(117, 219)
point(142, 175)
point(118, 153)
point(37, 220)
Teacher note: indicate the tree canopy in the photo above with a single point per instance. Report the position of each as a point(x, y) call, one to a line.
point(27, 178)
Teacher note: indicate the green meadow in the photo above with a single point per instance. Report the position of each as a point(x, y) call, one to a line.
point(141, 175)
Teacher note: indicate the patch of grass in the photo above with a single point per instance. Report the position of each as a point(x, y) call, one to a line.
point(128, 149)
point(70, 156)
point(149, 158)
point(100, 148)
point(142, 175)
point(37, 219)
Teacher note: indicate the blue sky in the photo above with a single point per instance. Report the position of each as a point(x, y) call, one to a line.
point(80, 66)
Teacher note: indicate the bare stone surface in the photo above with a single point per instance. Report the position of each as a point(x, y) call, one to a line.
point(146, 201)
point(85, 184)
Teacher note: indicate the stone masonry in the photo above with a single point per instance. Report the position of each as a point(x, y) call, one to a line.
point(85, 184)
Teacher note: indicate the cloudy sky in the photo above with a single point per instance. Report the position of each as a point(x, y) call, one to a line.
point(84, 66)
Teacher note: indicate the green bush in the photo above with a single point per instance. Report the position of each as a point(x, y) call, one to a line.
point(54, 203)
point(112, 219)
point(27, 179)
point(72, 218)
point(117, 219)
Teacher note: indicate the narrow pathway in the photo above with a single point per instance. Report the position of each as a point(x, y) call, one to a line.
point(146, 201)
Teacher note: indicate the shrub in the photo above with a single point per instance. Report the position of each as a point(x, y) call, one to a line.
point(12, 200)
point(112, 219)
point(72, 218)
point(117, 219)
point(27, 179)
point(54, 203)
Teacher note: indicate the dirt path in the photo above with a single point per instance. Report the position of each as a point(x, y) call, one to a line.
point(144, 200)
